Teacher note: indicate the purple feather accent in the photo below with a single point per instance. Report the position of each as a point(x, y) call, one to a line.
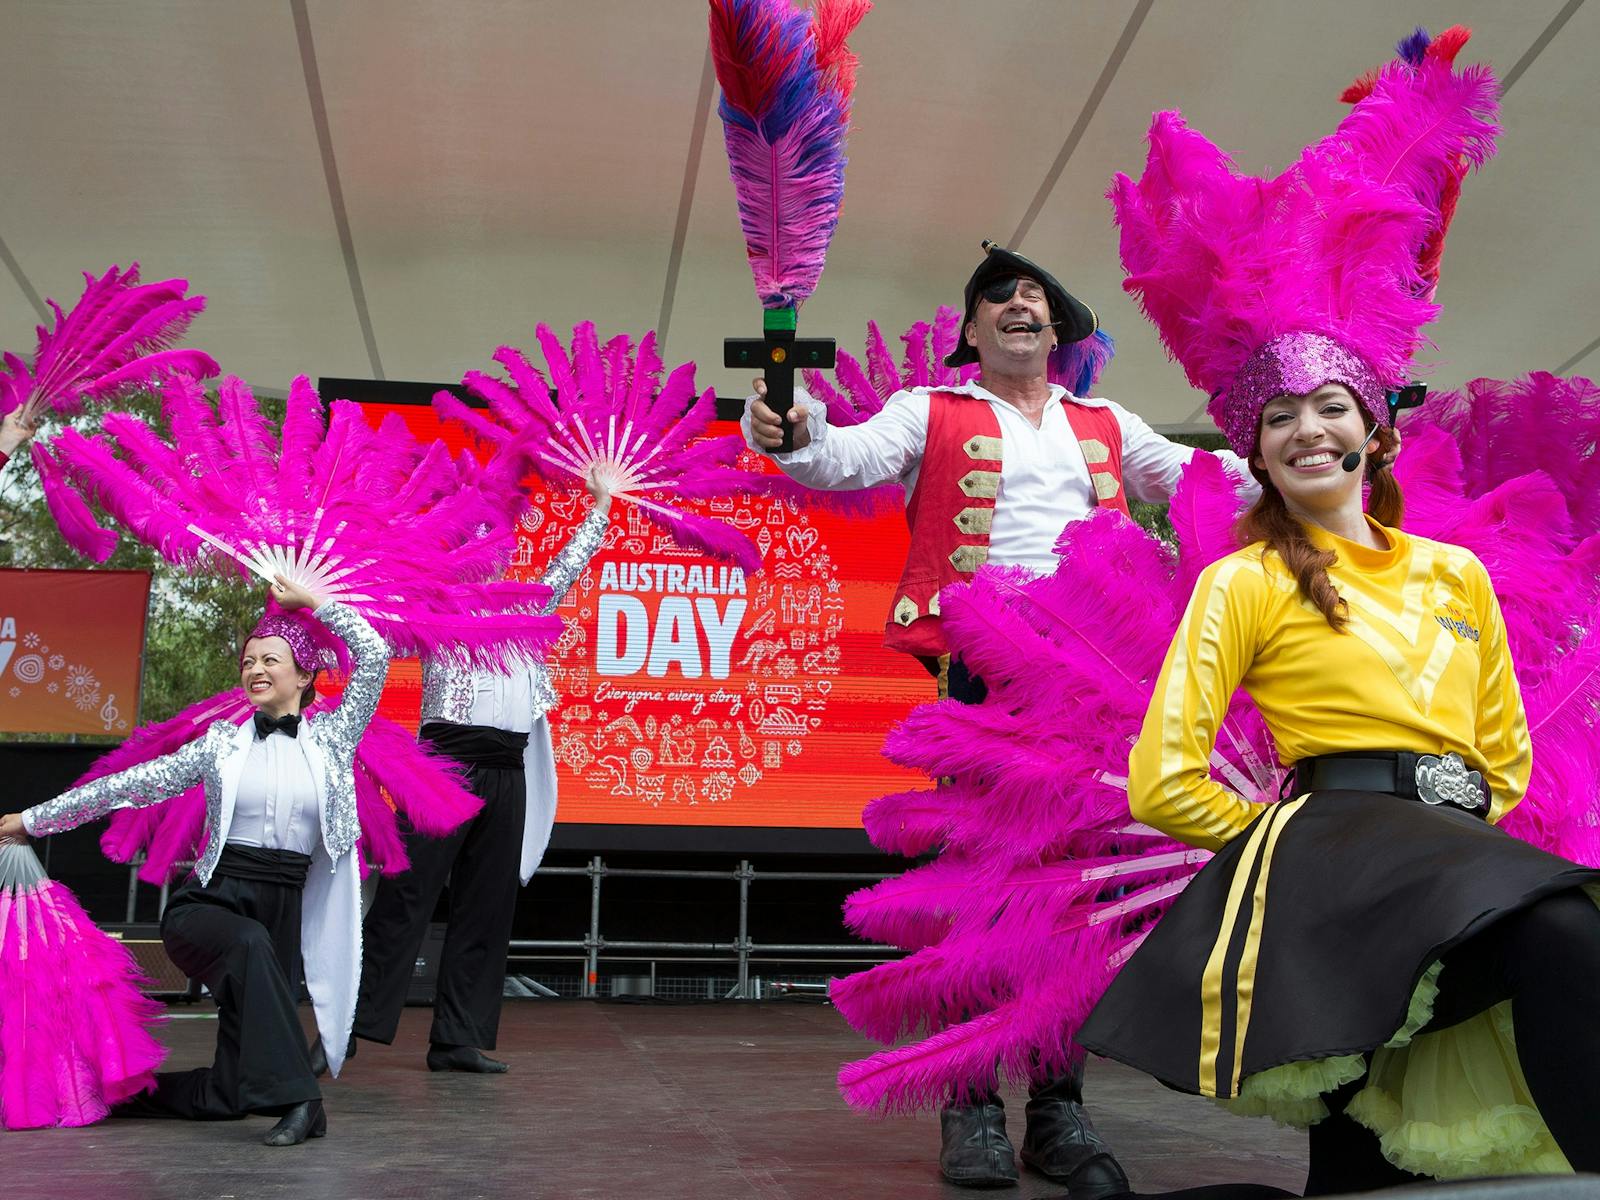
point(784, 115)
point(1077, 366)
point(1414, 46)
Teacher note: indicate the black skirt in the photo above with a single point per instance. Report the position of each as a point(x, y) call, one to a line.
point(1306, 937)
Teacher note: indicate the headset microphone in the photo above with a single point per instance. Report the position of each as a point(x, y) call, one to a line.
point(1037, 327)
point(1352, 461)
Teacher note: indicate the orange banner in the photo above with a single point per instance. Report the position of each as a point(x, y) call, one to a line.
point(71, 650)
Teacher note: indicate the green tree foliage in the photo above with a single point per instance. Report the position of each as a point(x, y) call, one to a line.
point(196, 620)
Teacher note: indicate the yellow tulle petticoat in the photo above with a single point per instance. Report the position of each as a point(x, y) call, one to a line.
point(1450, 1105)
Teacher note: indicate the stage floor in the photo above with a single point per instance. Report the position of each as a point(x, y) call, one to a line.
point(614, 1100)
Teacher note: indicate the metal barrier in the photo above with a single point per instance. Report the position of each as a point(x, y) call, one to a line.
point(741, 950)
point(593, 945)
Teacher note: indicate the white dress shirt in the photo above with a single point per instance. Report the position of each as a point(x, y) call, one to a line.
point(1044, 480)
point(503, 701)
point(277, 806)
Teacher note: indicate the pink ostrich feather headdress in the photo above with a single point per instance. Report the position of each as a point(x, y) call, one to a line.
point(1264, 286)
point(405, 533)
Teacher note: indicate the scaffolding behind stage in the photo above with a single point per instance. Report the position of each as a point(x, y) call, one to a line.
point(743, 952)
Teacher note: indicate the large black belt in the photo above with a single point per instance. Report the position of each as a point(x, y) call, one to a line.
point(1439, 779)
point(477, 745)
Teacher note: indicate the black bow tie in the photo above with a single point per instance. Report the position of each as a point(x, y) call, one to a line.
point(288, 723)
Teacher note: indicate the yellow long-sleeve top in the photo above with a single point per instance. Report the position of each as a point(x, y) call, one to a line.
point(1422, 665)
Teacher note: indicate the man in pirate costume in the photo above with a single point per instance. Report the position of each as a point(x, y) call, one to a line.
point(1370, 957)
point(994, 469)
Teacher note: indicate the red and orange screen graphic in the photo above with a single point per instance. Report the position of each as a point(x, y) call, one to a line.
point(695, 695)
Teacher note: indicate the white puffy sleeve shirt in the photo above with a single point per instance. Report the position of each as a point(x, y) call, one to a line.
point(1044, 480)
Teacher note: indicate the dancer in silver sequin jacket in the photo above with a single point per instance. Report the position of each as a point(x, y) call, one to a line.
point(331, 913)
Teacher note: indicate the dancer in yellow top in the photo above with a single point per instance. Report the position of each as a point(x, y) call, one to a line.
point(1369, 956)
point(1420, 665)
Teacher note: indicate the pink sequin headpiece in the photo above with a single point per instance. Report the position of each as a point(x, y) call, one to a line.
point(1295, 364)
point(1266, 286)
point(296, 629)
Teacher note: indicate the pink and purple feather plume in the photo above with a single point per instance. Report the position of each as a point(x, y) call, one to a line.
point(1223, 263)
point(787, 78)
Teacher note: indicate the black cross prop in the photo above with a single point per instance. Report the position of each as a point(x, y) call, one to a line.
point(779, 354)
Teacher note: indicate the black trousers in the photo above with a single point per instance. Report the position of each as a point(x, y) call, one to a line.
point(480, 861)
point(1545, 959)
point(240, 936)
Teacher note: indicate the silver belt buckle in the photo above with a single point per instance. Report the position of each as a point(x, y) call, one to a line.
point(1445, 779)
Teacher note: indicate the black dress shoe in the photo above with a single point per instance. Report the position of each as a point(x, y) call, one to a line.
point(304, 1120)
point(1061, 1143)
point(974, 1150)
point(464, 1058)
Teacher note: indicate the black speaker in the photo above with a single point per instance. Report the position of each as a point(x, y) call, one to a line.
point(425, 971)
point(161, 977)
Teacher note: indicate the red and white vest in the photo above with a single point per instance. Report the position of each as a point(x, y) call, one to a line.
point(951, 510)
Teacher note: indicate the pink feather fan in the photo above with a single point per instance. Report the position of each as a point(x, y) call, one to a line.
point(1044, 885)
point(118, 338)
point(75, 1029)
point(395, 776)
point(607, 410)
point(402, 532)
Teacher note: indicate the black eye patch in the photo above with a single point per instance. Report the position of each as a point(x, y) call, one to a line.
point(1001, 290)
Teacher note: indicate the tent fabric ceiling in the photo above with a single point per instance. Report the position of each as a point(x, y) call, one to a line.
point(392, 188)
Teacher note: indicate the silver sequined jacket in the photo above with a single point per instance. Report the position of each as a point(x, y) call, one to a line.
point(335, 733)
point(448, 688)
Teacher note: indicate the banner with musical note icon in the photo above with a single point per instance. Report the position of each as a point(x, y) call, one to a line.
point(71, 650)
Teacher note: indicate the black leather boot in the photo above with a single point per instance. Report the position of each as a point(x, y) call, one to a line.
point(464, 1058)
point(974, 1150)
point(1061, 1143)
point(304, 1120)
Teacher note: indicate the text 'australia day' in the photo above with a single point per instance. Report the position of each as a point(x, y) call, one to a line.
point(631, 637)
